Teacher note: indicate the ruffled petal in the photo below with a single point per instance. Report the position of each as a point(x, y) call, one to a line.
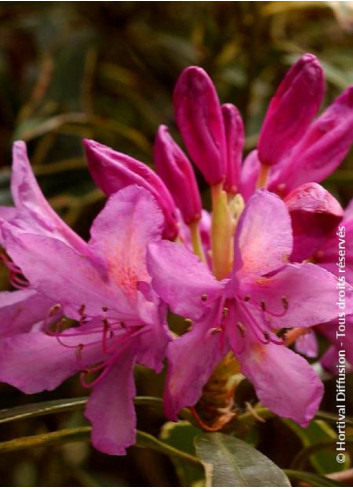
point(181, 279)
point(191, 360)
point(110, 408)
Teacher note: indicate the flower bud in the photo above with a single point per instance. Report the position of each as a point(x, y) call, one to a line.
point(315, 214)
point(323, 147)
point(113, 171)
point(200, 122)
point(176, 171)
point(234, 131)
point(291, 110)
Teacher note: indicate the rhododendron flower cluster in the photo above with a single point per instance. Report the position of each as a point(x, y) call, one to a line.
point(254, 276)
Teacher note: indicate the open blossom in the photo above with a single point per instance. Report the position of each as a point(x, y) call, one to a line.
point(102, 286)
point(262, 294)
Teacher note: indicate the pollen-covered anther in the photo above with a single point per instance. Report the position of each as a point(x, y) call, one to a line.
point(241, 328)
point(285, 302)
point(204, 297)
point(188, 321)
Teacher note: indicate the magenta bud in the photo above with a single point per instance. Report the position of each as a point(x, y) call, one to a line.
point(315, 214)
point(323, 147)
point(291, 110)
point(176, 171)
point(113, 171)
point(200, 122)
point(235, 137)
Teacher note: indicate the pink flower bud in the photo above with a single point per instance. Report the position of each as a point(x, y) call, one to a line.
point(323, 147)
point(199, 118)
point(291, 110)
point(234, 131)
point(176, 171)
point(315, 213)
point(113, 171)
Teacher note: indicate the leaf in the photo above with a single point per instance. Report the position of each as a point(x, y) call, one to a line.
point(181, 436)
point(312, 479)
point(319, 441)
point(229, 461)
point(47, 439)
point(40, 409)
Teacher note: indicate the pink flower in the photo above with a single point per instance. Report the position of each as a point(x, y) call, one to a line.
point(244, 312)
point(103, 286)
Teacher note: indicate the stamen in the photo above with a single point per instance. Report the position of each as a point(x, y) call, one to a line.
point(241, 328)
point(216, 330)
point(104, 308)
point(225, 312)
point(247, 298)
point(204, 297)
point(263, 305)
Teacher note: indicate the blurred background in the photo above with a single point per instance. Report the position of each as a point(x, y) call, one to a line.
point(106, 70)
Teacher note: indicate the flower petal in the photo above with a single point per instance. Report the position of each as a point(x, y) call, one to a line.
point(110, 408)
point(35, 361)
point(298, 296)
point(33, 211)
point(21, 309)
point(284, 381)
point(263, 239)
point(191, 360)
point(61, 273)
point(181, 279)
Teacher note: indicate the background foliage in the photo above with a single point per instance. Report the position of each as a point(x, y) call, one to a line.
point(106, 70)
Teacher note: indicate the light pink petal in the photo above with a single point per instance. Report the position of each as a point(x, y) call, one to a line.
point(21, 309)
point(297, 296)
point(284, 381)
point(64, 275)
point(263, 239)
point(191, 360)
point(120, 234)
point(181, 279)
point(33, 211)
point(110, 408)
point(199, 119)
point(34, 361)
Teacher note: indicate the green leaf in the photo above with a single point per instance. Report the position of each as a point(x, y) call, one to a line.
point(314, 480)
point(229, 461)
point(47, 439)
point(181, 436)
point(63, 405)
point(319, 441)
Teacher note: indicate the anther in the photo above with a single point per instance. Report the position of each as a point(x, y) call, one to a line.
point(104, 308)
point(81, 310)
point(204, 297)
point(225, 312)
point(266, 335)
point(215, 330)
point(285, 302)
point(263, 305)
point(188, 321)
point(241, 328)
point(79, 351)
point(247, 298)
point(122, 324)
point(54, 310)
